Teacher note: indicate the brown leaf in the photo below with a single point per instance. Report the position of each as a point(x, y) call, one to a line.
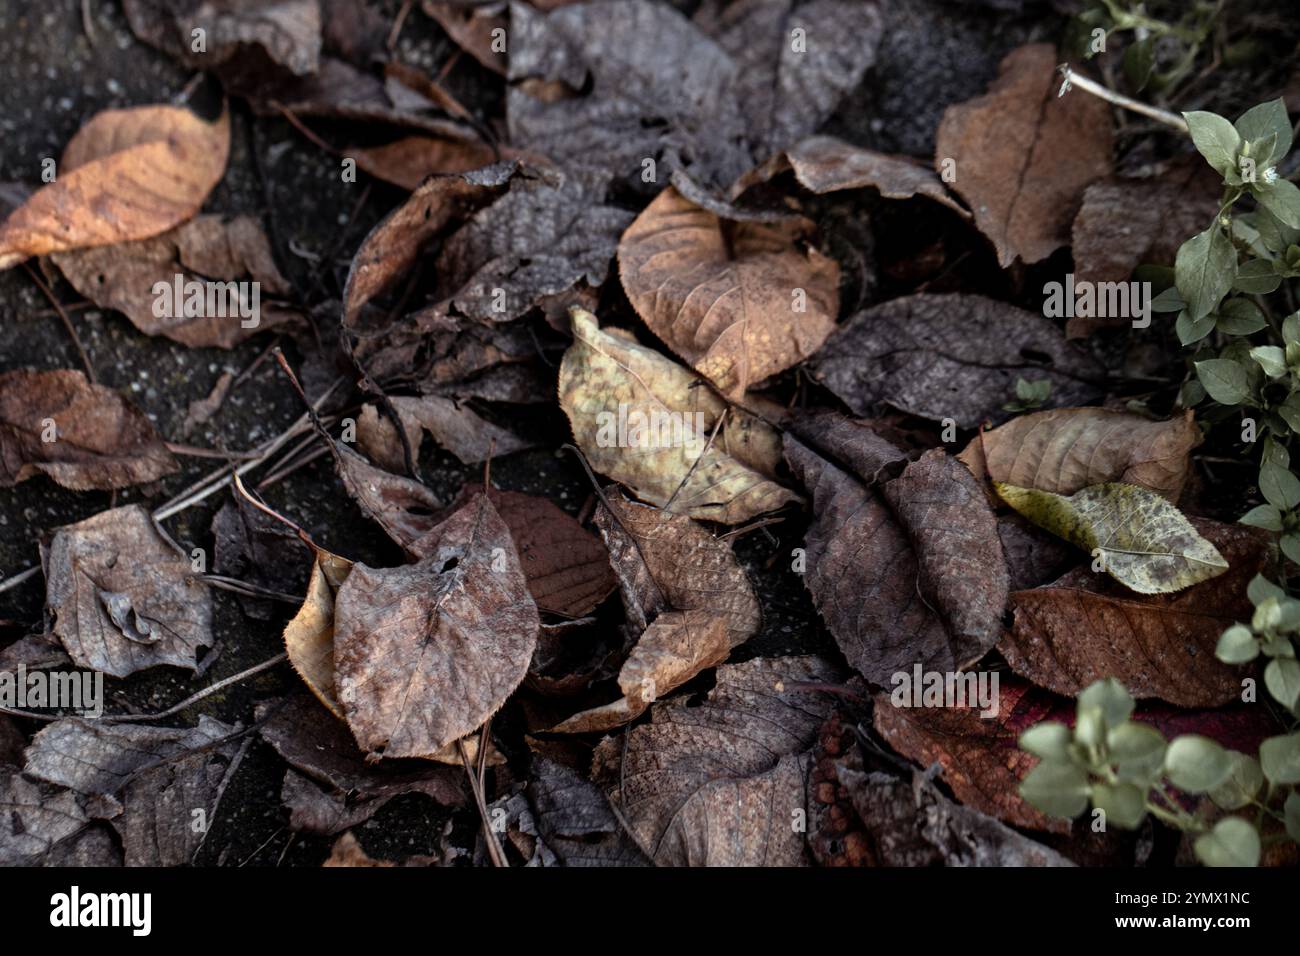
point(250, 546)
point(403, 507)
point(1067, 449)
point(471, 29)
point(1085, 627)
point(84, 436)
point(122, 599)
point(1024, 155)
point(425, 653)
point(905, 573)
point(1034, 556)
point(208, 249)
point(676, 647)
point(566, 565)
point(288, 32)
point(575, 819)
point(127, 174)
point(408, 161)
point(719, 784)
point(824, 164)
point(739, 302)
point(669, 562)
point(457, 428)
point(395, 244)
point(981, 760)
point(34, 822)
point(950, 356)
point(12, 744)
point(645, 421)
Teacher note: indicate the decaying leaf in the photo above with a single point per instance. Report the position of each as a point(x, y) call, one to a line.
point(718, 784)
point(950, 356)
point(1067, 449)
point(981, 761)
point(288, 32)
point(643, 421)
point(739, 301)
point(425, 653)
point(566, 565)
point(1083, 628)
point(127, 174)
point(158, 775)
point(673, 649)
point(408, 161)
point(669, 562)
point(403, 507)
point(309, 637)
point(1138, 537)
point(575, 819)
point(84, 436)
point(122, 599)
point(905, 573)
point(34, 821)
point(1024, 155)
point(250, 546)
point(208, 249)
point(824, 164)
point(457, 428)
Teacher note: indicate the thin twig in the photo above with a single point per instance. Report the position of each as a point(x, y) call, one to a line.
point(63, 316)
point(494, 848)
point(206, 692)
point(19, 578)
point(1073, 79)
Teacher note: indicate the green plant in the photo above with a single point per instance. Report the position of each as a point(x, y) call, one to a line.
point(1029, 395)
point(1163, 42)
point(1126, 769)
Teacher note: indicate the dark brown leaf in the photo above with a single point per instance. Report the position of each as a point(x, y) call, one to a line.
point(457, 428)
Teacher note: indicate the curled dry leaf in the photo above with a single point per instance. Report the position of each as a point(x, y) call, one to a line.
point(1067, 449)
point(1024, 155)
point(425, 653)
point(718, 784)
point(566, 565)
point(646, 422)
point(403, 507)
point(906, 573)
point(824, 164)
point(288, 32)
point(395, 244)
point(673, 649)
point(153, 778)
point(669, 562)
point(84, 436)
point(208, 249)
point(1138, 537)
point(127, 174)
point(739, 301)
point(981, 760)
point(457, 428)
point(950, 356)
point(122, 599)
point(1083, 628)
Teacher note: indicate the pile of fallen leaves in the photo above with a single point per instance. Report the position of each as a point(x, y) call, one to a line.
point(650, 210)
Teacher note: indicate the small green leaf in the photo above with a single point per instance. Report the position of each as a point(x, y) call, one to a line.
point(1143, 541)
point(1170, 300)
point(1237, 645)
point(1290, 545)
point(1216, 139)
point(1290, 410)
point(1282, 199)
point(1139, 60)
point(1123, 803)
point(1260, 589)
point(1196, 764)
point(1224, 380)
point(1257, 277)
point(1110, 697)
point(1058, 789)
point(1262, 122)
point(1242, 784)
point(1240, 317)
point(1291, 809)
point(1205, 268)
point(1232, 842)
point(1279, 487)
point(1049, 740)
point(1271, 359)
point(1282, 678)
point(1280, 758)
point(1137, 752)
point(1190, 331)
point(1263, 516)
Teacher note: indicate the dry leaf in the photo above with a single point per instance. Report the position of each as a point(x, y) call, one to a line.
point(250, 546)
point(34, 822)
point(408, 161)
point(1067, 449)
point(575, 819)
point(207, 249)
point(950, 356)
point(425, 653)
point(454, 427)
point(1024, 155)
point(669, 562)
point(122, 599)
point(84, 436)
point(1083, 628)
point(676, 647)
point(609, 383)
point(905, 574)
point(720, 784)
point(288, 32)
point(1136, 537)
point(740, 302)
point(403, 507)
point(127, 174)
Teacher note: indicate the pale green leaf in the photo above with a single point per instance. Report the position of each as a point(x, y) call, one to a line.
point(1057, 788)
point(1225, 380)
point(1232, 842)
point(1196, 764)
point(1216, 139)
point(1280, 758)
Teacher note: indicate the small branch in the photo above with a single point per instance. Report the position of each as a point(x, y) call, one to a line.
point(1073, 79)
point(206, 692)
point(19, 578)
point(63, 317)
